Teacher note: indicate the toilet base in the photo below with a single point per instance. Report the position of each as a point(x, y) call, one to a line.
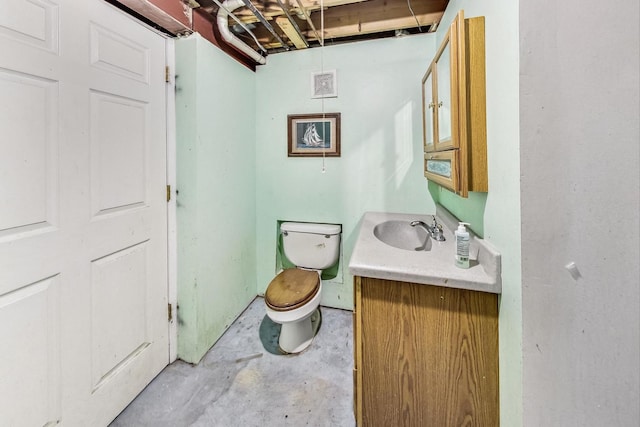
point(295, 337)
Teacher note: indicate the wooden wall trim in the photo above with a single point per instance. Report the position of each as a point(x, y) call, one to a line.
point(209, 30)
point(172, 15)
point(177, 18)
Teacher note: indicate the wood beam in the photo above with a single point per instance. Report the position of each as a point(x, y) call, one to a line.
point(246, 16)
point(172, 15)
point(354, 27)
point(206, 26)
point(367, 18)
point(286, 26)
point(378, 15)
point(307, 17)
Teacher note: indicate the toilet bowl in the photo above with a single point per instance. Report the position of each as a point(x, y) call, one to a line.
point(293, 296)
point(299, 322)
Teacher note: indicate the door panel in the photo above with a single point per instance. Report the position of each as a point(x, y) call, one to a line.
point(83, 215)
point(28, 199)
point(122, 187)
point(117, 340)
point(33, 23)
point(33, 349)
point(30, 279)
point(118, 54)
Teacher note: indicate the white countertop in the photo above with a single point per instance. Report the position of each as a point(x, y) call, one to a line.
point(373, 258)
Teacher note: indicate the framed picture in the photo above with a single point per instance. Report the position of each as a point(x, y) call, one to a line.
point(324, 84)
point(314, 135)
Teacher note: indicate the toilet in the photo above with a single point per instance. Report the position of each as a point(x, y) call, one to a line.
point(293, 296)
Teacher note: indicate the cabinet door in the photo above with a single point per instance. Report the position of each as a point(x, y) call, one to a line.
point(428, 110)
point(442, 167)
point(427, 355)
point(446, 94)
point(443, 79)
point(459, 117)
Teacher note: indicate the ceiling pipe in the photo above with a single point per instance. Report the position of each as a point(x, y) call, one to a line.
point(223, 25)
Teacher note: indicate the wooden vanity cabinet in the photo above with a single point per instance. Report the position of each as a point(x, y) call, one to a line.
point(424, 355)
point(454, 108)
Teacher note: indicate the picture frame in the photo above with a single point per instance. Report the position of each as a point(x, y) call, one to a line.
point(324, 84)
point(313, 135)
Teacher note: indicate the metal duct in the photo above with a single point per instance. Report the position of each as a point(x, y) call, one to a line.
point(223, 25)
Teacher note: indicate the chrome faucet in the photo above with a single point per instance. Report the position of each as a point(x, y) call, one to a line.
point(434, 230)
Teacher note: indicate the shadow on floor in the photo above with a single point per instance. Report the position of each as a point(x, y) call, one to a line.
point(270, 333)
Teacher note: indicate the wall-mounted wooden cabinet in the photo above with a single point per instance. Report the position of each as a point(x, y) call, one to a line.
point(442, 167)
point(424, 355)
point(439, 97)
point(454, 107)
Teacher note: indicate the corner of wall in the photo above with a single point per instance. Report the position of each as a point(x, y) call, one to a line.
point(469, 210)
point(215, 193)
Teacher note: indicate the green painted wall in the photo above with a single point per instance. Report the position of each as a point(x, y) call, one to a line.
point(216, 158)
point(499, 209)
point(244, 182)
point(469, 210)
point(379, 97)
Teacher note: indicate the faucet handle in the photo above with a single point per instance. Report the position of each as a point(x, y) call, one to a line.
point(438, 235)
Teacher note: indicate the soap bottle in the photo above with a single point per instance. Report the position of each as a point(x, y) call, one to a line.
point(462, 245)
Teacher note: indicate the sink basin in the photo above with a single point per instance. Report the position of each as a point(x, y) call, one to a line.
point(401, 235)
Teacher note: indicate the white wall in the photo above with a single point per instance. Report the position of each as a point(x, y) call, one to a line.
point(580, 141)
point(380, 168)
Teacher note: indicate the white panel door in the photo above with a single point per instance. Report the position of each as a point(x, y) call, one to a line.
point(83, 215)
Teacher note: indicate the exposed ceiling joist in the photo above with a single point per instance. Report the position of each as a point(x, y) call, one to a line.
point(350, 19)
point(289, 28)
point(294, 8)
point(339, 26)
point(298, 40)
point(307, 16)
point(381, 15)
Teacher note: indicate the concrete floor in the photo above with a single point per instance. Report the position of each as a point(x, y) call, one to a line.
point(242, 381)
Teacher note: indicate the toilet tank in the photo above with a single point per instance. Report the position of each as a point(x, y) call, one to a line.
point(308, 245)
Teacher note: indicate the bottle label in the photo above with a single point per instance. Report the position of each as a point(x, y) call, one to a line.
point(462, 248)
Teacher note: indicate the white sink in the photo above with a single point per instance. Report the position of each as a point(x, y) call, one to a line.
point(386, 249)
point(401, 235)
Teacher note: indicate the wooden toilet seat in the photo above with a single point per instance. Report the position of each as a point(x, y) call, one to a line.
point(292, 288)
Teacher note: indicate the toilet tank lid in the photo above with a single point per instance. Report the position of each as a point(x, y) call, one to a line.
point(308, 227)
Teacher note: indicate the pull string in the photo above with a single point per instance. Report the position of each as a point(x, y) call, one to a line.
point(414, 15)
point(324, 122)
